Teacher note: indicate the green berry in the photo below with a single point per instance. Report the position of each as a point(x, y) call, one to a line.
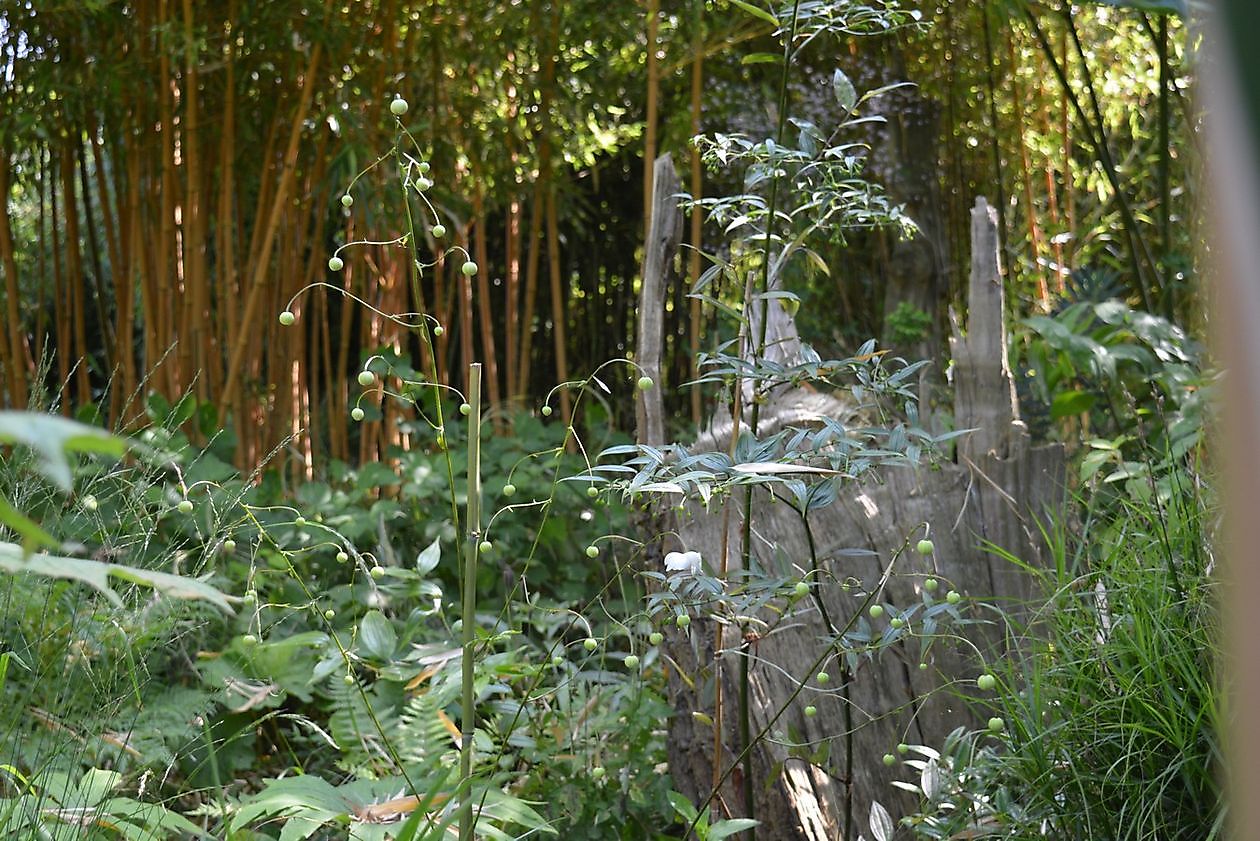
point(439, 331)
point(925, 547)
point(356, 413)
point(348, 680)
point(592, 552)
point(897, 622)
point(366, 378)
point(90, 503)
point(185, 506)
point(299, 520)
point(557, 660)
point(347, 200)
point(598, 772)
point(645, 383)
point(811, 711)
point(287, 318)
point(903, 748)
point(953, 597)
point(889, 759)
point(876, 611)
point(930, 584)
point(823, 678)
point(342, 557)
point(996, 725)
point(469, 268)
point(656, 637)
point(229, 546)
point(439, 231)
point(423, 167)
point(336, 264)
point(592, 491)
point(465, 409)
point(250, 597)
point(484, 546)
point(801, 589)
point(986, 682)
point(329, 614)
point(632, 662)
point(590, 644)
point(546, 411)
point(248, 640)
point(423, 184)
point(683, 620)
point(378, 572)
point(923, 667)
point(509, 489)
point(398, 107)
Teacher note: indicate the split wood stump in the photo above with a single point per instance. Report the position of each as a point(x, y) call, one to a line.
point(994, 492)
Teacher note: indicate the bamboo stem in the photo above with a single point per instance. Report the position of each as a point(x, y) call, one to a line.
point(472, 548)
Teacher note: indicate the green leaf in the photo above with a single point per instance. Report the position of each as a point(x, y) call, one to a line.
point(31, 533)
point(722, 829)
point(1176, 6)
point(845, 93)
point(1069, 403)
point(761, 58)
point(97, 574)
point(95, 784)
point(682, 805)
point(308, 796)
point(757, 12)
point(881, 822)
point(52, 437)
point(377, 635)
point(428, 559)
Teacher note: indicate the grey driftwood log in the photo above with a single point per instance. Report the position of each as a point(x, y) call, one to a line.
point(993, 493)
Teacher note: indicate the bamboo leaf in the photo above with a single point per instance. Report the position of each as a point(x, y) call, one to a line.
point(97, 575)
point(757, 12)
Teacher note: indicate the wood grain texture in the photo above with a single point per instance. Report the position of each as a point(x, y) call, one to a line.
point(996, 492)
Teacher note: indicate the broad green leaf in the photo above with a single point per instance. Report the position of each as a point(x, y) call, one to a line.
point(30, 532)
point(1069, 403)
point(377, 635)
point(95, 784)
point(97, 575)
point(722, 829)
point(845, 93)
point(428, 559)
point(682, 805)
point(308, 796)
point(881, 822)
point(52, 437)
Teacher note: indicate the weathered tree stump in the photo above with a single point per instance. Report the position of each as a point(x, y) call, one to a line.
point(993, 494)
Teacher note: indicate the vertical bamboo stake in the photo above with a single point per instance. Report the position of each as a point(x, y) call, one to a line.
point(75, 279)
point(262, 260)
point(542, 189)
point(481, 250)
point(1025, 169)
point(557, 310)
point(16, 349)
point(61, 299)
point(468, 711)
point(649, 131)
point(196, 314)
point(697, 215)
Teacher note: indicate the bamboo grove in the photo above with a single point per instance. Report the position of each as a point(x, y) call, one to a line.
point(172, 170)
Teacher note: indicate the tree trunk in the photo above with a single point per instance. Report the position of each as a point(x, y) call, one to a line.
point(994, 494)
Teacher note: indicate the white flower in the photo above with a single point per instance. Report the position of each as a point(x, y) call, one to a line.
point(687, 563)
